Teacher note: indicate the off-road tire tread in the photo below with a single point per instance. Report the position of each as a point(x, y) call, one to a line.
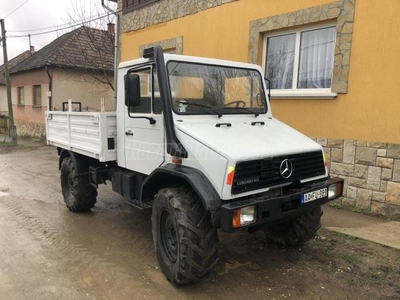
point(197, 238)
point(84, 195)
point(296, 232)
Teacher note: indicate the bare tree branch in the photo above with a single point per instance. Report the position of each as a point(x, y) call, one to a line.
point(92, 46)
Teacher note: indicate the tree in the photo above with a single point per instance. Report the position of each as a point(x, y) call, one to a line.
point(91, 47)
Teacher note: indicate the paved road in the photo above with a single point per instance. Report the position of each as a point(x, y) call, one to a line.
point(365, 227)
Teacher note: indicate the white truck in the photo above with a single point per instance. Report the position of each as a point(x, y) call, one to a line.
point(194, 140)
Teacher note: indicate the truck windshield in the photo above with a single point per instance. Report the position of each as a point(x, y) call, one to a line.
point(210, 89)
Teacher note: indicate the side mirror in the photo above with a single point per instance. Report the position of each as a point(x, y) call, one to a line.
point(132, 90)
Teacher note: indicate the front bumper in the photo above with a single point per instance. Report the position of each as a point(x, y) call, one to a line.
point(276, 209)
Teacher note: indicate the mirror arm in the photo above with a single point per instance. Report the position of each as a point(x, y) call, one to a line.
point(269, 87)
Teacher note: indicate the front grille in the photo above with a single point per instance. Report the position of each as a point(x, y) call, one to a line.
point(261, 173)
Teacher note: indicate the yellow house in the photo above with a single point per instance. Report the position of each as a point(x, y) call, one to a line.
point(333, 67)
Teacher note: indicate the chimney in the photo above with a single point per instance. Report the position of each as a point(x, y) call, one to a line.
point(111, 28)
point(32, 49)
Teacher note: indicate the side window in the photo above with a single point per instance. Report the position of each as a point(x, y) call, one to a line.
point(145, 92)
point(150, 99)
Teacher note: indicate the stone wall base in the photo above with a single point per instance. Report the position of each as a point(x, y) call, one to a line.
point(4, 124)
point(30, 129)
point(371, 172)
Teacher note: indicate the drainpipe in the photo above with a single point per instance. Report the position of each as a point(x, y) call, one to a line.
point(49, 93)
point(116, 41)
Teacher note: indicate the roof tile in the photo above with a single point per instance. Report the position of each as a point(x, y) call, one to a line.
point(12, 63)
point(84, 47)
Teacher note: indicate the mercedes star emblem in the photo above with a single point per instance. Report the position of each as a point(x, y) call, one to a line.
point(286, 168)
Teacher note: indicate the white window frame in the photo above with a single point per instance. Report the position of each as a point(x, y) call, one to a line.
point(294, 92)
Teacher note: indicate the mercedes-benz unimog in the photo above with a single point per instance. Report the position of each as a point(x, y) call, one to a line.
point(194, 139)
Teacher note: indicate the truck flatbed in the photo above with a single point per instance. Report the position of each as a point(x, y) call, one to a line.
point(92, 134)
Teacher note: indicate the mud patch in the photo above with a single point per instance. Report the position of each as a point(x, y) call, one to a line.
point(49, 253)
point(6, 148)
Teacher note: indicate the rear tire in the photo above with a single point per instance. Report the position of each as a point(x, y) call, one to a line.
point(295, 232)
point(78, 194)
point(185, 241)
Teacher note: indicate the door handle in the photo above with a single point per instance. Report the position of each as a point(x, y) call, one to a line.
point(129, 133)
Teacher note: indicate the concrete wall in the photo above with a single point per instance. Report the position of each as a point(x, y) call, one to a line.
point(363, 118)
point(28, 113)
point(81, 87)
point(66, 84)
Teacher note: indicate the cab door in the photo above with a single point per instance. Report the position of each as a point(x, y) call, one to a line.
point(144, 125)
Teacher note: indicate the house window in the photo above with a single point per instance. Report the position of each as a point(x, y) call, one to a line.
point(300, 61)
point(21, 96)
point(37, 95)
point(130, 5)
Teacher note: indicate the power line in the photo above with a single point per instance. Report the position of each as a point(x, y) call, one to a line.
point(60, 25)
point(37, 29)
point(67, 24)
point(62, 28)
point(40, 29)
point(16, 9)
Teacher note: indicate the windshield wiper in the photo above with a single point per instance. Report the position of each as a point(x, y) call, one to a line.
point(250, 111)
point(200, 105)
point(256, 114)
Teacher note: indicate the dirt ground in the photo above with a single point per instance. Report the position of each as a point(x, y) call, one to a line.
point(47, 252)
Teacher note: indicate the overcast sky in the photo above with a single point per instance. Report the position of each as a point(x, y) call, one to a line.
point(40, 14)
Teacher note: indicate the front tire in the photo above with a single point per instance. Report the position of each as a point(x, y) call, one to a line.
point(296, 232)
point(185, 241)
point(78, 194)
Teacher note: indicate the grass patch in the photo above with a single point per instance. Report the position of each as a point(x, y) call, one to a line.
point(352, 259)
point(386, 269)
point(335, 205)
point(7, 147)
point(351, 281)
point(6, 144)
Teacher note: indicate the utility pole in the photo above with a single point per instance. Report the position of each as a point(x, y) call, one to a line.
point(116, 42)
point(13, 129)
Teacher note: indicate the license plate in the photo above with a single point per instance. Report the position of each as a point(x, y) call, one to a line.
point(315, 195)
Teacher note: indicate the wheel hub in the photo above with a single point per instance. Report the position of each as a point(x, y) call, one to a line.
point(169, 237)
point(71, 185)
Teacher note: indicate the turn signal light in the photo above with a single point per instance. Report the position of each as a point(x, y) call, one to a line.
point(229, 177)
point(177, 160)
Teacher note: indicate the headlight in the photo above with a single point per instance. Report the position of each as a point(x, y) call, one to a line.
point(244, 216)
point(334, 190)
